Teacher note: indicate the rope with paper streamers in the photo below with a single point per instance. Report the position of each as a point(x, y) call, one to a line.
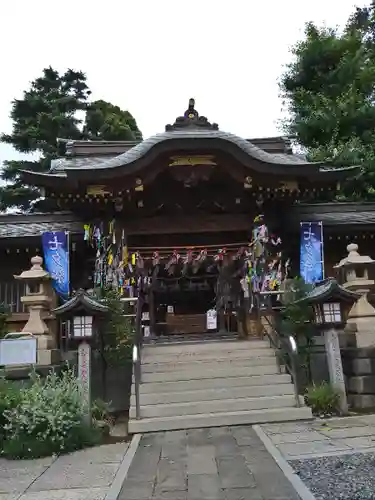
point(113, 267)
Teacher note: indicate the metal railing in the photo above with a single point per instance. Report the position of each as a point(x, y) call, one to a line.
point(137, 355)
point(285, 346)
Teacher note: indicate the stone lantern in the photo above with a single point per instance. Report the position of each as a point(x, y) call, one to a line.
point(331, 302)
point(355, 271)
point(38, 299)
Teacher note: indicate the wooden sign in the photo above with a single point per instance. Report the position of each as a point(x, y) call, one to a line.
point(97, 190)
point(192, 161)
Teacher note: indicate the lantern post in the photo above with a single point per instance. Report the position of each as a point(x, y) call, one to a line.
point(84, 313)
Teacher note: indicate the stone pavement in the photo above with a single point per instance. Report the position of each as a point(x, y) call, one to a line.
point(317, 438)
point(83, 475)
point(227, 463)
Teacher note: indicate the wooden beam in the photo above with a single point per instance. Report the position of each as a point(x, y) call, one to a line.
point(188, 224)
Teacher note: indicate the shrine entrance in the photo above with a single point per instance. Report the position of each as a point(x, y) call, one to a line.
point(184, 282)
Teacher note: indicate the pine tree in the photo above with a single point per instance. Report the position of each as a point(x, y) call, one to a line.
point(48, 111)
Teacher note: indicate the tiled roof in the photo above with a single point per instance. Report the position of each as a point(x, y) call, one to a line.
point(23, 226)
point(135, 153)
point(335, 214)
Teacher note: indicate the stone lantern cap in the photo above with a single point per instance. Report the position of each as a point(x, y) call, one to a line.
point(354, 258)
point(81, 302)
point(36, 272)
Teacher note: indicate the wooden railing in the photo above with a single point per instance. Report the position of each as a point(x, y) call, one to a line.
point(11, 293)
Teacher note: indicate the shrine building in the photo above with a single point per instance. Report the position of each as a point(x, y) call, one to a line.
point(173, 210)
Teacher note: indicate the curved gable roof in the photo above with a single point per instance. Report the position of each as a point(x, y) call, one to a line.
point(188, 133)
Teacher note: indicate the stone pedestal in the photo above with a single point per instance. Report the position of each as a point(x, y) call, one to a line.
point(355, 272)
point(336, 373)
point(38, 301)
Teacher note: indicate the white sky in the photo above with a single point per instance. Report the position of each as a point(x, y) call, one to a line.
point(151, 56)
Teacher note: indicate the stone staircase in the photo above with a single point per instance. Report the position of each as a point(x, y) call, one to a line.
point(212, 384)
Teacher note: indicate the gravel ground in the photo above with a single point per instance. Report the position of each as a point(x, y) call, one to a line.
point(345, 477)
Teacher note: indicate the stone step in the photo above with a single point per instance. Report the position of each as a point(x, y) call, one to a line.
point(202, 373)
point(160, 357)
point(215, 394)
point(208, 364)
point(214, 406)
point(213, 383)
point(219, 419)
point(206, 346)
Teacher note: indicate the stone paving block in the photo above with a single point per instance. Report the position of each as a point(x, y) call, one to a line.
point(274, 486)
point(201, 460)
point(257, 461)
point(170, 495)
point(348, 432)
point(243, 494)
point(297, 449)
point(233, 473)
point(198, 437)
point(244, 436)
point(357, 442)
point(18, 483)
point(136, 490)
point(110, 453)
point(144, 464)
point(225, 446)
point(340, 423)
point(205, 487)
point(170, 476)
point(21, 466)
point(287, 427)
point(301, 437)
point(77, 494)
point(69, 476)
point(176, 437)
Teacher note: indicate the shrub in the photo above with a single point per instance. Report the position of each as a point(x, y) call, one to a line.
point(323, 399)
point(9, 398)
point(48, 419)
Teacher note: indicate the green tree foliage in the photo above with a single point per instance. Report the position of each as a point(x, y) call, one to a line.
point(329, 91)
point(56, 106)
point(106, 122)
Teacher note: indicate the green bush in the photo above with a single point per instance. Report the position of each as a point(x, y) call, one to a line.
point(323, 399)
point(9, 398)
point(47, 419)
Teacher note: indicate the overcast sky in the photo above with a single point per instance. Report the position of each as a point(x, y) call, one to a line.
point(150, 56)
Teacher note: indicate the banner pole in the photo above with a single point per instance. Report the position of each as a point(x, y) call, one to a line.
point(68, 250)
point(322, 249)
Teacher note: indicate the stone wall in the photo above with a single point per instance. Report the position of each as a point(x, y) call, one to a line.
point(359, 369)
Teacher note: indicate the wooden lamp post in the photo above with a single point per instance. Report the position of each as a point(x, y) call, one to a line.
point(331, 303)
point(85, 314)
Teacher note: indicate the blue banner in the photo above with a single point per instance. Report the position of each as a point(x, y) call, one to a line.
point(311, 252)
point(56, 260)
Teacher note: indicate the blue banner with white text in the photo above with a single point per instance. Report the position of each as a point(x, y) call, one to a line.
point(311, 252)
point(56, 260)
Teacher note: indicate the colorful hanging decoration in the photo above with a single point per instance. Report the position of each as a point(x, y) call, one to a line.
point(265, 268)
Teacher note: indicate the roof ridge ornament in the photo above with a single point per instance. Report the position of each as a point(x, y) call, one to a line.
point(191, 118)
